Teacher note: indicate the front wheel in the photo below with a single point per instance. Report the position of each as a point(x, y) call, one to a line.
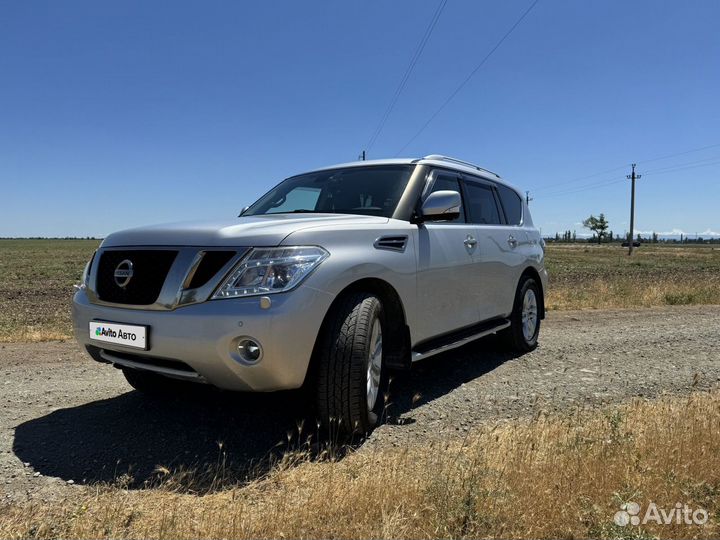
point(522, 335)
point(351, 376)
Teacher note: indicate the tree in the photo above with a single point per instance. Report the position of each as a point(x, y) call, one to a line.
point(654, 238)
point(598, 225)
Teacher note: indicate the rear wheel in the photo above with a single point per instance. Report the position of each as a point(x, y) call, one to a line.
point(351, 378)
point(522, 335)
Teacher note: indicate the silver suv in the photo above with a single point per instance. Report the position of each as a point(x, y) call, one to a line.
point(329, 280)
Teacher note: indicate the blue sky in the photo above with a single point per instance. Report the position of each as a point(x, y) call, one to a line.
point(120, 114)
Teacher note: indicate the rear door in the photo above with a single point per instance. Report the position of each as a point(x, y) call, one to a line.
point(496, 259)
point(446, 267)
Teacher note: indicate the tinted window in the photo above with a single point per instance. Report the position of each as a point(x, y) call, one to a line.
point(512, 204)
point(299, 198)
point(481, 204)
point(372, 191)
point(448, 183)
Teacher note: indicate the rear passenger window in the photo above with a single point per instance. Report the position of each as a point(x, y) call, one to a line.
point(481, 204)
point(448, 183)
point(512, 204)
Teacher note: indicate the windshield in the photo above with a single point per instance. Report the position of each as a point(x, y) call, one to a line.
point(372, 191)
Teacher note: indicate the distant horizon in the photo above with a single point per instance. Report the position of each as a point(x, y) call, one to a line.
point(580, 234)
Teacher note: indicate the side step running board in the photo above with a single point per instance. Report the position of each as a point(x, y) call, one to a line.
point(458, 339)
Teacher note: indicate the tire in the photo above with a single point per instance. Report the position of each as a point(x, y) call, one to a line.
point(519, 337)
point(154, 385)
point(351, 376)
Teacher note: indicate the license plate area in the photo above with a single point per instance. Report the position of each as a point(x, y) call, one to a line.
point(128, 335)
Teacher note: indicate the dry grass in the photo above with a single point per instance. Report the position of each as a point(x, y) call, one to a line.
point(561, 476)
point(586, 276)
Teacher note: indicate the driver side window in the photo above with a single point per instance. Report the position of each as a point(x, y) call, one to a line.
point(446, 182)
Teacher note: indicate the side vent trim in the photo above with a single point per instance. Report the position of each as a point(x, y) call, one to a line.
point(391, 243)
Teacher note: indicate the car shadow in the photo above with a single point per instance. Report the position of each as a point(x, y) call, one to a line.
point(438, 375)
point(210, 438)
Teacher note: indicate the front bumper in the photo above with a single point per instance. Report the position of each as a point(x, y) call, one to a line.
point(204, 336)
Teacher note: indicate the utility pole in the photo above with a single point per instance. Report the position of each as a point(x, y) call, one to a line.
point(528, 198)
point(361, 157)
point(632, 177)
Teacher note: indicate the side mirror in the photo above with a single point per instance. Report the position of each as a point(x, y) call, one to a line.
point(243, 211)
point(440, 206)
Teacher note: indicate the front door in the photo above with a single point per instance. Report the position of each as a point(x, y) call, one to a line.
point(446, 275)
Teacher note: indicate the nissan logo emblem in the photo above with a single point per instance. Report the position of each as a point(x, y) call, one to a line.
point(123, 273)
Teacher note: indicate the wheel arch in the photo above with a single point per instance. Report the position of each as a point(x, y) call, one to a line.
point(535, 275)
point(397, 342)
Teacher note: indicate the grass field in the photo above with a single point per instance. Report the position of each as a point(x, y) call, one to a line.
point(36, 286)
point(560, 475)
point(590, 276)
point(36, 279)
point(548, 477)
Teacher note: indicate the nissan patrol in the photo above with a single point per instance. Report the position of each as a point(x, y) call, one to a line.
point(329, 280)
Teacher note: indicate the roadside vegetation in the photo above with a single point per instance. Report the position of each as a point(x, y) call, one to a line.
point(36, 286)
point(548, 476)
point(560, 476)
point(36, 279)
point(591, 276)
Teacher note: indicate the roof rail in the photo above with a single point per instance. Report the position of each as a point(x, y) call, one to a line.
point(438, 157)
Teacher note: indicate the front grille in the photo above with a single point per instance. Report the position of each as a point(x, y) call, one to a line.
point(149, 270)
point(210, 265)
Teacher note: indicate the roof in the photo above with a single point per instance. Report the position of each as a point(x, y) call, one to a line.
point(433, 159)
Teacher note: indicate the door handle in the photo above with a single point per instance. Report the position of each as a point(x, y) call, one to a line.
point(470, 241)
point(512, 242)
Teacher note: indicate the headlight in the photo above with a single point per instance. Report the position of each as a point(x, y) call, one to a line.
point(271, 270)
point(86, 273)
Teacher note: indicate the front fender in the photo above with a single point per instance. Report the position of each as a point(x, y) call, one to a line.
point(353, 257)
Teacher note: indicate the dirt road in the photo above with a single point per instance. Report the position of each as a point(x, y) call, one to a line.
point(66, 422)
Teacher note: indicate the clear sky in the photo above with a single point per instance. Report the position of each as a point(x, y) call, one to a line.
point(118, 114)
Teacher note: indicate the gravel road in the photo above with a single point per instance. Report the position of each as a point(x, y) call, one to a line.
point(67, 422)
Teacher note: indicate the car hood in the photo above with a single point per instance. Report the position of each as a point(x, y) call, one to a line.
point(268, 230)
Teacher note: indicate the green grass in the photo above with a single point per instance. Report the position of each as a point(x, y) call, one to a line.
point(36, 279)
point(36, 286)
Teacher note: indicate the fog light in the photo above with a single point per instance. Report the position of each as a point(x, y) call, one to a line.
point(249, 350)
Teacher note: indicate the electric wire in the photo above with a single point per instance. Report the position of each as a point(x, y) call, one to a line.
point(408, 71)
point(467, 79)
point(608, 171)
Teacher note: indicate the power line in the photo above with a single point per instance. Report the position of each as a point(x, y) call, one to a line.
point(413, 60)
point(667, 170)
point(683, 165)
point(583, 188)
point(668, 156)
point(662, 170)
point(572, 181)
point(467, 79)
point(680, 153)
